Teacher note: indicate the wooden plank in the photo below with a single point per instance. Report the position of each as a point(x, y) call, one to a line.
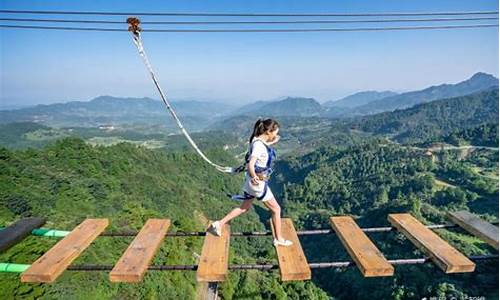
point(134, 262)
point(291, 259)
point(476, 226)
point(370, 261)
point(213, 264)
point(50, 265)
point(18, 231)
point(449, 259)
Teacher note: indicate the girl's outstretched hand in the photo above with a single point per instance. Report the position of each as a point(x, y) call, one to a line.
point(255, 180)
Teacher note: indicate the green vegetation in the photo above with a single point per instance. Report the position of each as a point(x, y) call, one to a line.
point(484, 135)
point(23, 135)
point(368, 182)
point(15, 135)
point(365, 167)
point(71, 180)
point(434, 119)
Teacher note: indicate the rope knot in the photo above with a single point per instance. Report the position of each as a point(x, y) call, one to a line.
point(133, 25)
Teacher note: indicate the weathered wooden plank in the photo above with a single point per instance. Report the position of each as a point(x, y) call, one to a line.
point(449, 259)
point(18, 231)
point(50, 265)
point(214, 260)
point(134, 262)
point(476, 226)
point(370, 261)
point(292, 261)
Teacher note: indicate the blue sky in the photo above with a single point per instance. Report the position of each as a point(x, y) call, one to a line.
point(58, 66)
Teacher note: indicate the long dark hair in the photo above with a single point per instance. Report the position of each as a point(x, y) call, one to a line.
point(262, 126)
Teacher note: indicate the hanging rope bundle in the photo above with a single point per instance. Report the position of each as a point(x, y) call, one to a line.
point(135, 29)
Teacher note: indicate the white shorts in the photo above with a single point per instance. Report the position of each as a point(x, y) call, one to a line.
point(257, 190)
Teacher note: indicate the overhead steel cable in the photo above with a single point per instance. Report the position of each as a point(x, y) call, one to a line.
point(249, 22)
point(62, 28)
point(63, 233)
point(204, 14)
point(253, 30)
point(269, 233)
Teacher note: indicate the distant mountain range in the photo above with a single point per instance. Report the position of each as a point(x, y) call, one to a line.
point(436, 118)
point(416, 124)
point(359, 99)
point(199, 115)
point(247, 109)
point(478, 82)
point(113, 110)
point(367, 102)
point(419, 123)
point(290, 106)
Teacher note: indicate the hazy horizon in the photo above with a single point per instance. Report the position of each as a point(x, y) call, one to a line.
point(14, 105)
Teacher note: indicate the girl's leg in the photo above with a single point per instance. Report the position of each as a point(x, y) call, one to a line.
point(245, 206)
point(275, 208)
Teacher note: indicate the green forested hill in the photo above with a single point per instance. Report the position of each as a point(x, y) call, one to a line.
point(358, 99)
point(334, 171)
point(70, 180)
point(14, 135)
point(365, 177)
point(371, 180)
point(289, 106)
point(483, 135)
point(454, 118)
point(433, 119)
point(23, 135)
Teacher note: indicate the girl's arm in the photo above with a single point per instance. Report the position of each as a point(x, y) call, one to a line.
point(251, 170)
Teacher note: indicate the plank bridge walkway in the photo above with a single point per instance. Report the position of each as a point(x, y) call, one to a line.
point(213, 265)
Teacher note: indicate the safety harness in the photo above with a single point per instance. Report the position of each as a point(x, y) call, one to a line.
point(265, 172)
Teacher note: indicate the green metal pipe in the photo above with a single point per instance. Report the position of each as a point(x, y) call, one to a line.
point(13, 268)
point(49, 232)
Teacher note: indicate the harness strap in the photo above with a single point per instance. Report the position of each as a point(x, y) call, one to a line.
point(271, 155)
point(245, 196)
point(264, 193)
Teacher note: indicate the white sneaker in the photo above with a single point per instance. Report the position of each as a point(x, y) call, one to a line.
point(215, 228)
point(285, 243)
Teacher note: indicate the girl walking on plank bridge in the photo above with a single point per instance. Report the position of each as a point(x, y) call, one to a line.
point(259, 161)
